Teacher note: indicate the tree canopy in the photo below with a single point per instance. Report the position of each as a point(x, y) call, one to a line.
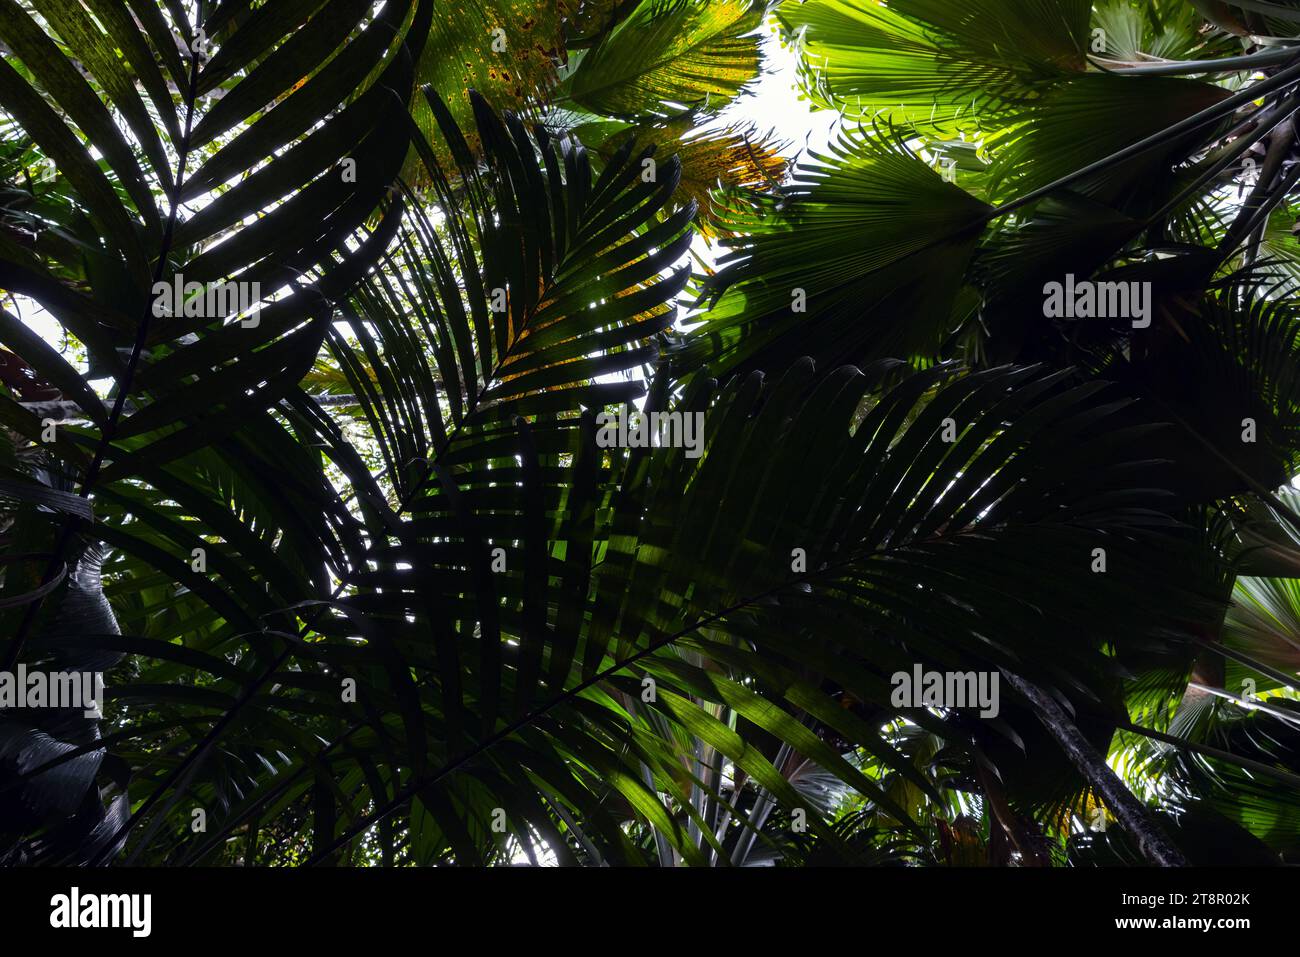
point(314, 316)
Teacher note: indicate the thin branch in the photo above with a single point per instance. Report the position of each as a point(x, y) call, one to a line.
point(1281, 677)
point(1266, 193)
point(1259, 767)
point(1284, 716)
point(1263, 121)
point(1208, 115)
point(1230, 64)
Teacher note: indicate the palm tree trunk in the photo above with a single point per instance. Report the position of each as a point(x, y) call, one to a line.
point(1128, 810)
point(1003, 825)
